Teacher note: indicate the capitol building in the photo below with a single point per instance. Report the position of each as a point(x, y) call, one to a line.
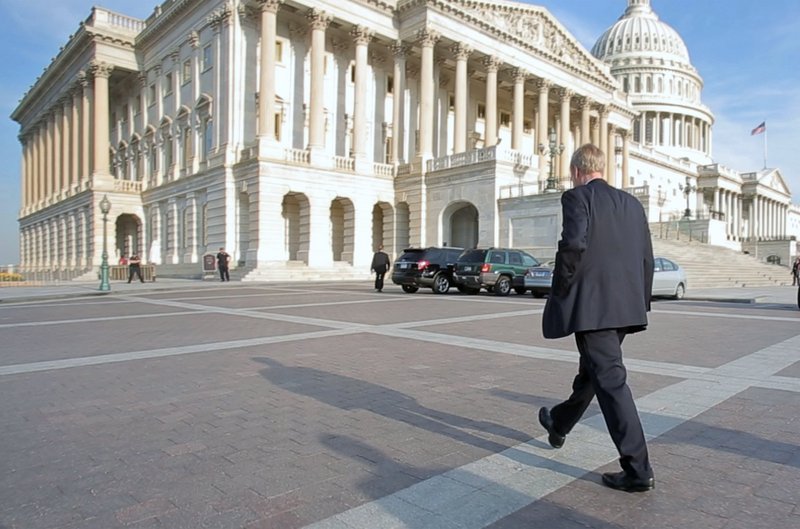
point(302, 134)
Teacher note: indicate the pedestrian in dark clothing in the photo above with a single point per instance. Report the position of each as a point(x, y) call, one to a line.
point(601, 292)
point(134, 268)
point(223, 261)
point(380, 265)
point(796, 272)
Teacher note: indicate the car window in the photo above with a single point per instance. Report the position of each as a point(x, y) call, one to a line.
point(515, 258)
point(667, 265)
point(433, 255)
point(452, 255)
point(528, 260)
point(657, 265)
point(411, 255)
point(498, 257)
point(472, 256)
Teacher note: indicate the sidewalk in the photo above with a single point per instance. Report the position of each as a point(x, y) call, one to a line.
point(755, 295)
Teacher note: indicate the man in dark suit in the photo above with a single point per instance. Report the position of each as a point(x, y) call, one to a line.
point(380, 265)
point(601, 292)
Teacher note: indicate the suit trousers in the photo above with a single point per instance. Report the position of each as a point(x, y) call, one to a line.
point(602, 373)
point(379, 280)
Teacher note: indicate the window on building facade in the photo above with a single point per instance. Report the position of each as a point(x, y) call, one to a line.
point(186, 71)
point(152, 92)
point(169, 149)
point(387, 150)
point(481, 111)
point(208, 139)
point(389, 84)
point(138, 109)
point(279, 51)
point(205, 224)
point(505, 119)
point(208, 57)
point(168, 84)
point(186, 140)
point(278, 126)
point(451, 101)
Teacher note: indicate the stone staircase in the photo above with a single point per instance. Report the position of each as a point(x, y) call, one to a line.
point(298, 271)
point(714, 267)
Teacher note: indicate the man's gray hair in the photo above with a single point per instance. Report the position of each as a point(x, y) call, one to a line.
point(589, 159)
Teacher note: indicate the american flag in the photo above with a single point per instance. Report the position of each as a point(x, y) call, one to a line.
point(760, 129)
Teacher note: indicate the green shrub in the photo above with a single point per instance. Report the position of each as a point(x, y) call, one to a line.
point(6, 276)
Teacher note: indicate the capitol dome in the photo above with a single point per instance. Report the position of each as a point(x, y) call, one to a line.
point(639, 31)
point(651, 63)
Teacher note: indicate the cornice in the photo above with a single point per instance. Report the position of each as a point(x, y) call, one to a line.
point(157, 20)
point(531, 28)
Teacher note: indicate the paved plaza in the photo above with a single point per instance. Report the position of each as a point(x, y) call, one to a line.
point(330, 406)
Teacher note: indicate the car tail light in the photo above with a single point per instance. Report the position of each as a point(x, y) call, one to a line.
point(422, 265)
point(486, 267)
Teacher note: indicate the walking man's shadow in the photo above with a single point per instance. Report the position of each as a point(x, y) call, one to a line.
point(348, 393)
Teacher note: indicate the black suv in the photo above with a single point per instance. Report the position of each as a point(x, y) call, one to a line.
point(493, 269)
point(425, 267)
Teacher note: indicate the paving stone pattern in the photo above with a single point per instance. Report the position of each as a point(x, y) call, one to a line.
point(340, 408)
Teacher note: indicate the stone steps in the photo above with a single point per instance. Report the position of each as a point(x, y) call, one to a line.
point(714, 267)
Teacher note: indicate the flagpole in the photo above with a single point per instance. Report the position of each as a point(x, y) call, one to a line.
point(765, 147)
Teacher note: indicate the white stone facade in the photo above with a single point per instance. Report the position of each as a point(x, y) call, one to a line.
point(307, 133)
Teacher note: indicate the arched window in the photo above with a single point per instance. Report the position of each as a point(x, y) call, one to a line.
point(203, 112)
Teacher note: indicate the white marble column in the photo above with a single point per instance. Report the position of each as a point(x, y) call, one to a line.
point(319, 21)
point(428, 39)
point(66, 149)
point(86, 127)
point(399, 50)
point(461, 53)
point(565, 96)
point(58, 173)
point(492, 64)
point(543, 86)
point(266, 87)
point(518, 118)
point(361, 36)
point(586, 107)
point(75, 135)
point(604, 129)
point(625, 176)
point(101, 73)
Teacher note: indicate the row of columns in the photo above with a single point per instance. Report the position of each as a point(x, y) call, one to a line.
point(766, 218)
point(59, 243)
point(64, 148)
point(675, 130)
point(427, 39)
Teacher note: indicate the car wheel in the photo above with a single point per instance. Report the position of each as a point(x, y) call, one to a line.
point(519, 290)
point(410, 289)
point(441, 284)
point(503, 286)
point(680, 291)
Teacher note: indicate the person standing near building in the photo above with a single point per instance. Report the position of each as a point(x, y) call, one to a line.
point(223, 261)
point(380, 265)
point(796, 272)
point(135, 268)
point(601, 292)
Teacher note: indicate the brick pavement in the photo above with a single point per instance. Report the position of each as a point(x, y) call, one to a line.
point(275, 407)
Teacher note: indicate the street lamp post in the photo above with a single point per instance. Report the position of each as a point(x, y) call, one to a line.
point(687, 189)
point(552, 150)
point(105, 207)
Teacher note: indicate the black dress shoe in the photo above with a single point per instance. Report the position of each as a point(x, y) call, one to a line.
point(624, 482)
point(555, 440)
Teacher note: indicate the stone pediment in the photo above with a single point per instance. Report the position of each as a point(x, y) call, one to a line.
point(774, 180)
point(534, 28)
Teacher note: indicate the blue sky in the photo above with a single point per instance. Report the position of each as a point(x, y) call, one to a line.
point(745, 51)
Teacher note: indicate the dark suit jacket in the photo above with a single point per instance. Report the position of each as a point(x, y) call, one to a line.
point(603, 274)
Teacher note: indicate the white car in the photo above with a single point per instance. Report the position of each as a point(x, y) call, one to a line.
point(669, 279)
